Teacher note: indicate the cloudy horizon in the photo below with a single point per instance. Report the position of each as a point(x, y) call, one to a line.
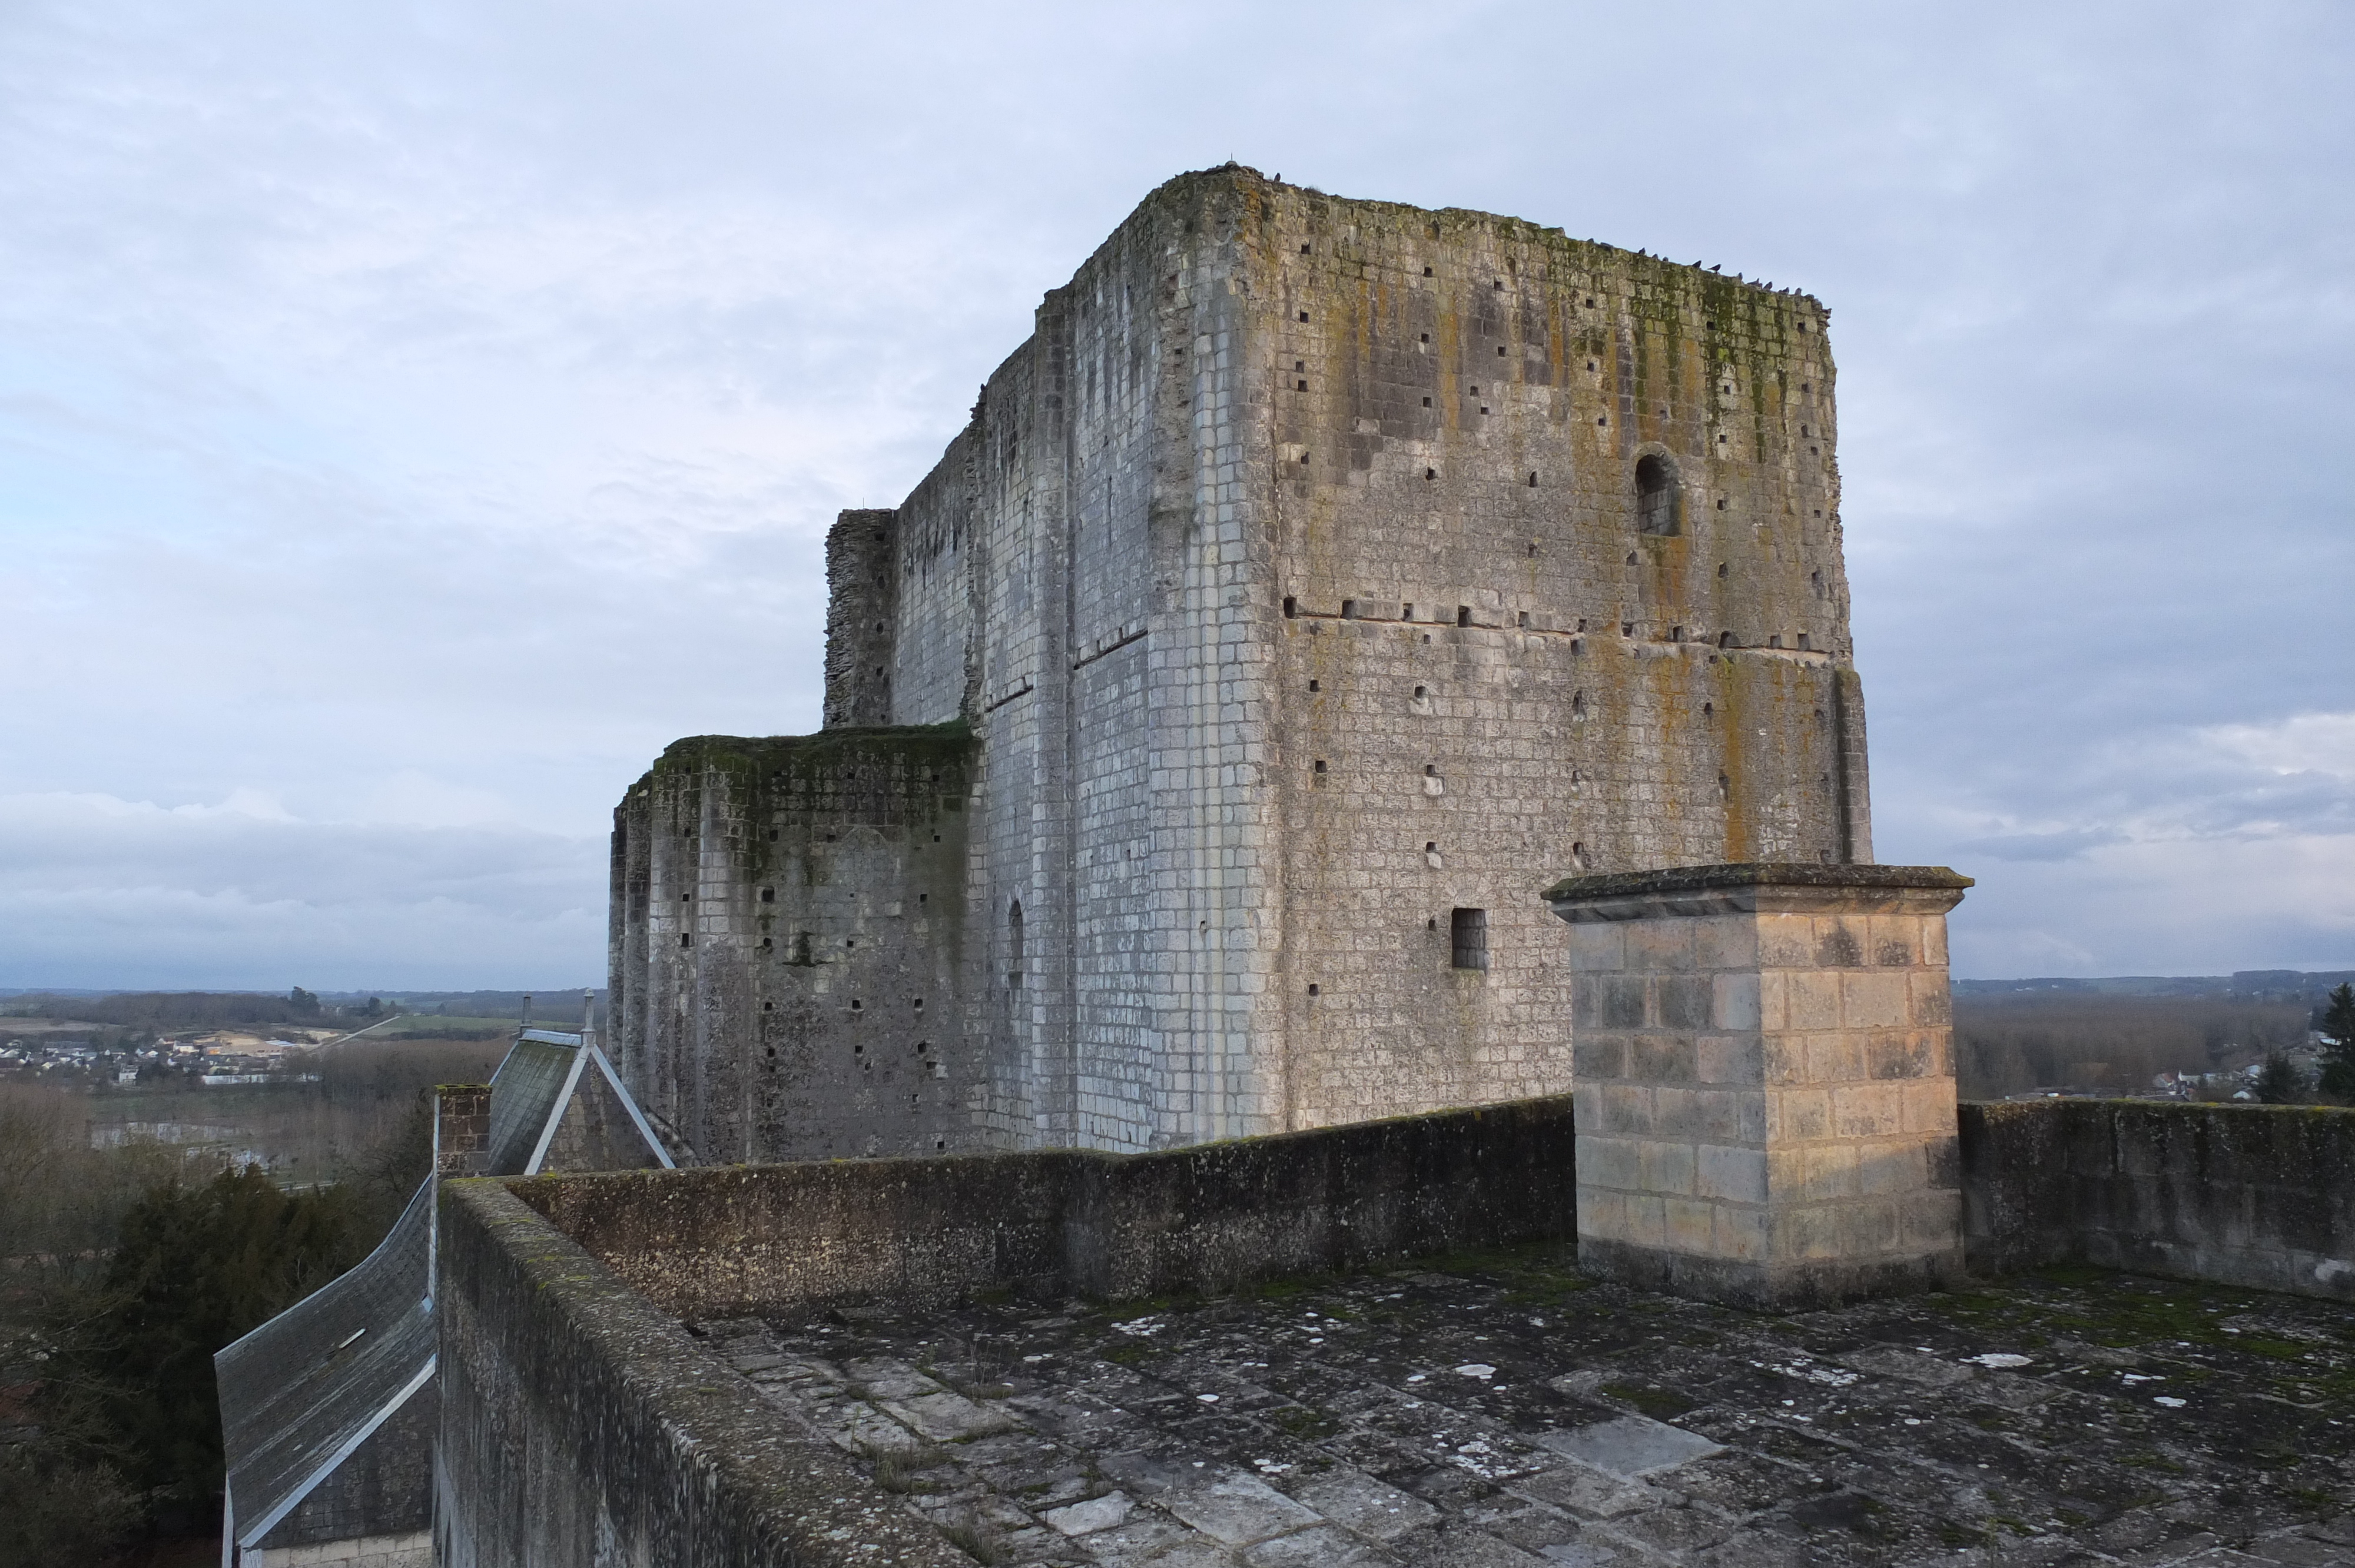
point(412, 420)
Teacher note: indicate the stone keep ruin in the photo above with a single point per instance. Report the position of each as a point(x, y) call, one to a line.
point(1318, 571)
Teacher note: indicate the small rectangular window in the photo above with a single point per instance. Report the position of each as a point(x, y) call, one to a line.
point(1468, 934)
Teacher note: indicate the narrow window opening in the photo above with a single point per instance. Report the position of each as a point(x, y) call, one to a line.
point(1533, 481)
point(1462, 615)
point(1303, 250)
point(1014, 945)
point(1720, 505)
point(1525, 621)
point(1656, 495)
point(1304, 457)
point(1773, 639)
point(1721, 568)
point(767, 943)
point(1631, 557)
point(1304, 315)
point(1426, 403)
point(1418, 694)
point(1349, 609)
point(1803, 642)
point(1426, 337)
point(1406, 612)
point(1320, 765)
point(1426, 271)
point(1725, 639)
point(768, 895)
point(1626, 629)
point(923, 898)
point(1314, 687)
point(1304, 386)
point(687, 938)
point(1299, 365)
point(1709, 710)
point(1430, 770)
point(1291, 606)
point(1676, 634)
point(1429, 472)
point(1314, 990)
point(1467, 931)
point(1500, 354)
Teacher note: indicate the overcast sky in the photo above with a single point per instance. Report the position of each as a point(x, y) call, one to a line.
point(412, 417)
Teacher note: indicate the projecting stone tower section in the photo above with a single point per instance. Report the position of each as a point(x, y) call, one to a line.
point(1319, 579)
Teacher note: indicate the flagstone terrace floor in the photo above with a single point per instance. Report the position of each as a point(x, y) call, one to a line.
point(1503, 1411)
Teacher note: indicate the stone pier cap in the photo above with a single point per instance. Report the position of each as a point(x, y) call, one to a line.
point(1758, 887)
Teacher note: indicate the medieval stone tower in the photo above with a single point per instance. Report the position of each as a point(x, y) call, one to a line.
point(1320, 581)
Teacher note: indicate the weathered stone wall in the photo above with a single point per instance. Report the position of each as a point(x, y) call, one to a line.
point(1314, 565)
point(861, 596)
point(730, 1243)
point(788, 937)
point(2256, 1195)
point(580, 1425)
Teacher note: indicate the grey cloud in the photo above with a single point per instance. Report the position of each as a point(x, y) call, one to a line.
point(463, 391)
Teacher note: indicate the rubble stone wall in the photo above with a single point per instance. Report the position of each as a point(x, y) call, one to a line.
point(2256, 1195)
point(730, 1243)
point(579, 1424)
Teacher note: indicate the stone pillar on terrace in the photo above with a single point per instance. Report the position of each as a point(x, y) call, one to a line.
point(1762, 1059)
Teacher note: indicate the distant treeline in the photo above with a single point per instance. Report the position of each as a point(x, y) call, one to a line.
point(173, 1010)
point(159, 1010)
point(2008, 1044)
point(2310, 986)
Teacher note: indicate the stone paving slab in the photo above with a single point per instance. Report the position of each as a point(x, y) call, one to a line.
point(1504, 1411)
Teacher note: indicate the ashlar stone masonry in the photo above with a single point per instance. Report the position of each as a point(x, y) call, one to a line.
point(1767, 1084)
point(1315, 570)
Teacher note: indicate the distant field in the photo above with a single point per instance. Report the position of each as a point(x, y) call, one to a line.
point(438, 1026)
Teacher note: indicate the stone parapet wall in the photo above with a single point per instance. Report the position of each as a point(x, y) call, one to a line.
point(581, 1426)
point(730, 1243)
point(2256, 1195)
